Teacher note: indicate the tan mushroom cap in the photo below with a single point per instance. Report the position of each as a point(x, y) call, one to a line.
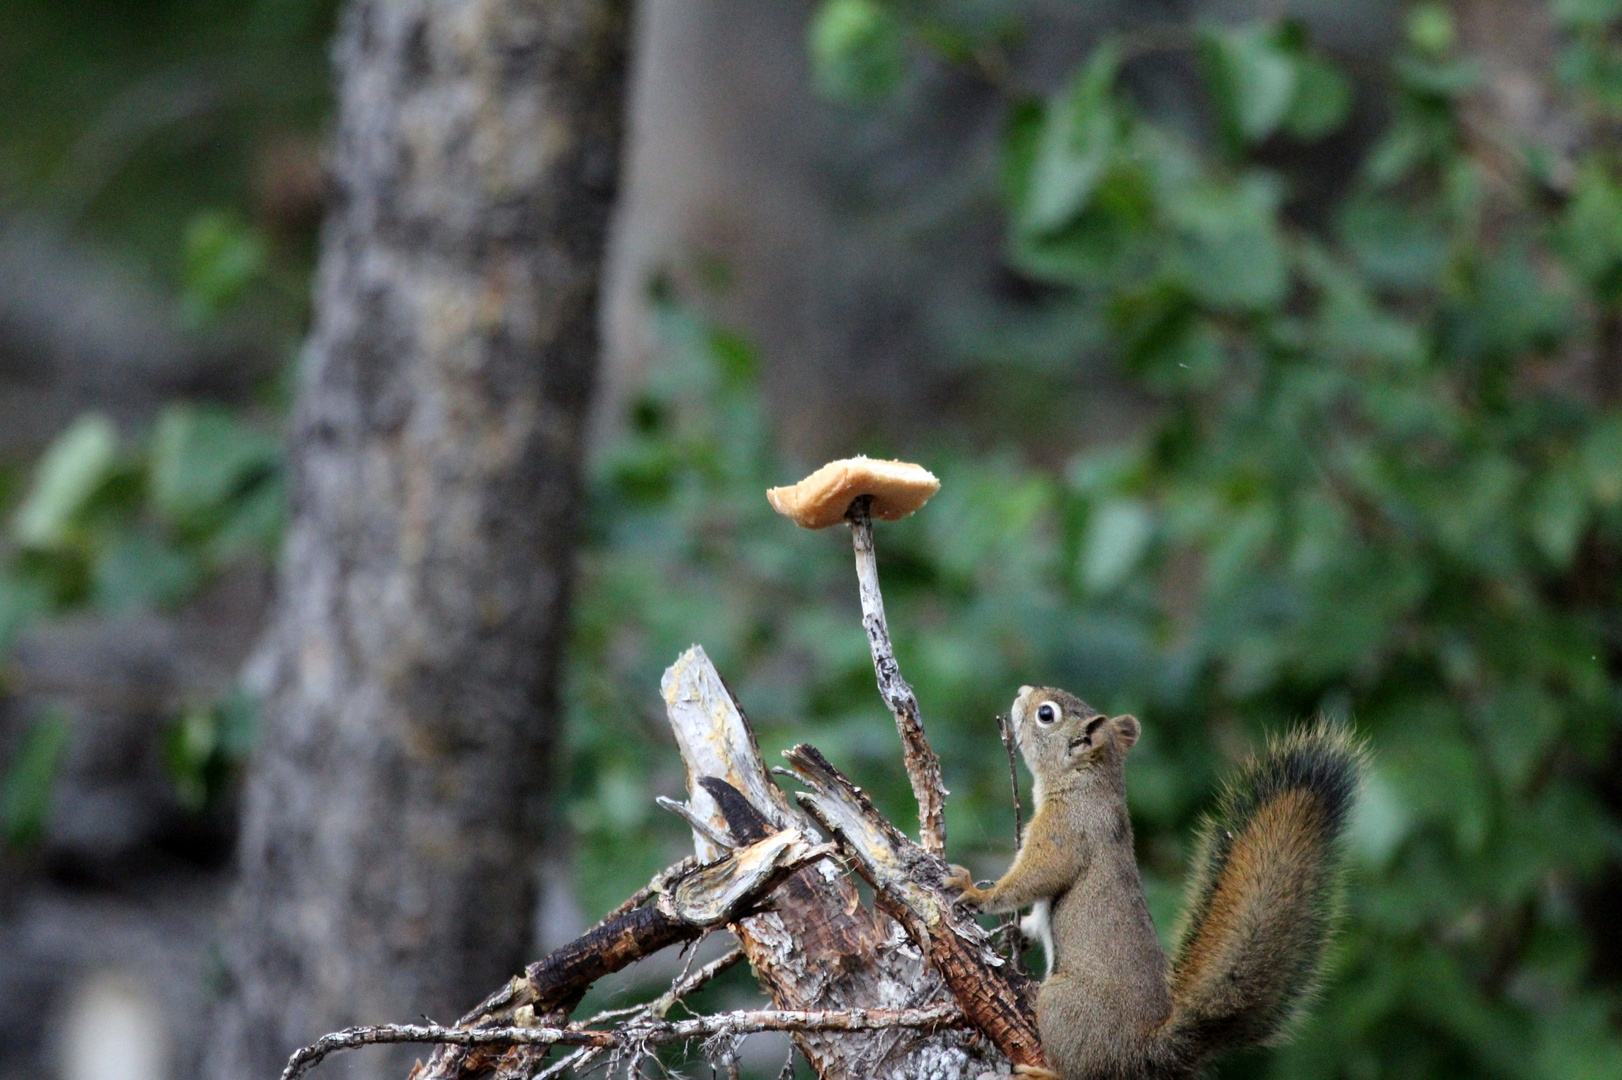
point(821, 499)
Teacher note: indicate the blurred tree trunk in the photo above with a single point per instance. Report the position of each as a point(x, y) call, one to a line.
point(398, 798)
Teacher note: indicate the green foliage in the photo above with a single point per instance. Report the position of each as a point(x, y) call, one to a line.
point(177, 140)
point(25, 787)
point(204, 745)
point(221, 257)
point(858, 50)
point(122, 527)
point(1376, 487)
point(113, 527)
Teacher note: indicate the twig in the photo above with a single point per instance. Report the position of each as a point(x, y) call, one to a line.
point(683, 986)
point(1010, 922)
point(646, 1033)
point(584, 1056)
point(691, 983)
point(923, 767)
point(699, 824)
point(1006, 730)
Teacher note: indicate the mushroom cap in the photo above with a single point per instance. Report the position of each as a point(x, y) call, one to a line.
point(821, 499)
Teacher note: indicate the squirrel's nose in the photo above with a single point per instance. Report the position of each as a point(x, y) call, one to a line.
point(1023, 691)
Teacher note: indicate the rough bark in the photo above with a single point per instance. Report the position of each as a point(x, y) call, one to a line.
point(410, 672)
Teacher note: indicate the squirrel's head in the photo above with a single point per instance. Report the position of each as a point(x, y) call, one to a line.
point(1059, 733)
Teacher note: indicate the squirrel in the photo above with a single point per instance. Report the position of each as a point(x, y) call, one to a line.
point(1260, 909)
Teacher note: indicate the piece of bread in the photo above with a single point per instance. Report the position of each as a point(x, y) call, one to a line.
point(821, 499)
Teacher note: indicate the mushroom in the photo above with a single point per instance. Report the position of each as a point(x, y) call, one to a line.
point(896, 489)
point(857, 490)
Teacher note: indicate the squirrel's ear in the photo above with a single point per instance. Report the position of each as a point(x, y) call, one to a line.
point(1127, 729)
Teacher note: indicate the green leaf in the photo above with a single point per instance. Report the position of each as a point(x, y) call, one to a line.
point(1591, 234)
point(138, 571)
point(1231, 256)
point(221, 256)
point(253, 524)
point(22, 600)
point(1595, 13)
point(1117, 537)
point(1602, 461)
point(1022, 137)
point(1395, 244)
point(1252, 78)
point(67, 478)
point(1592, 64)
point(1430, 29)
point(1079, 136)
point(1380, 820)
point(1112, 241)
point(188, 749)
point(858, 51)
point(25, 789)
point(1322, 101)
point(1559, 514)
point(202, 459)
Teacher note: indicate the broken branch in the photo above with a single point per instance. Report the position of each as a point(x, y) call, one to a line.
point(687, 901)
point(636, 1035)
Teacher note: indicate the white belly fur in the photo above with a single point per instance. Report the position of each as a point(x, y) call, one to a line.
point(1038, 926)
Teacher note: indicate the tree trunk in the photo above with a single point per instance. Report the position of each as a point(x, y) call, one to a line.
point(410, 708)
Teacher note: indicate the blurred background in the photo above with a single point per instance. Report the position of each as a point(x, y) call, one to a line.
point(1270, 356)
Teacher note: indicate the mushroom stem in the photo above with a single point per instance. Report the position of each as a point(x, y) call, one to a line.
point(923, 767)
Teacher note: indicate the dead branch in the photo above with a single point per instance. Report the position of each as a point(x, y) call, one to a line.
point(657, 1008)
point(818, 948)
point(815, 949)
point(906, 882)
point(687, 901)
point(923, 767)
point(644, 1033)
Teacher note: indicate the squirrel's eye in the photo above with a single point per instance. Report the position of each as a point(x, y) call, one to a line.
point(1047, 713)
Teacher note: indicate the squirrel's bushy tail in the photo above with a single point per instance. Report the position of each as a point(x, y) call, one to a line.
point(1263, 899)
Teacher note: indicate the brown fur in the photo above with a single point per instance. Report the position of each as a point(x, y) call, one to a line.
point(1112, 1007)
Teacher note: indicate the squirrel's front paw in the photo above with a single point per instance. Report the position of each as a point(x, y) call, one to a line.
point(959, 880)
